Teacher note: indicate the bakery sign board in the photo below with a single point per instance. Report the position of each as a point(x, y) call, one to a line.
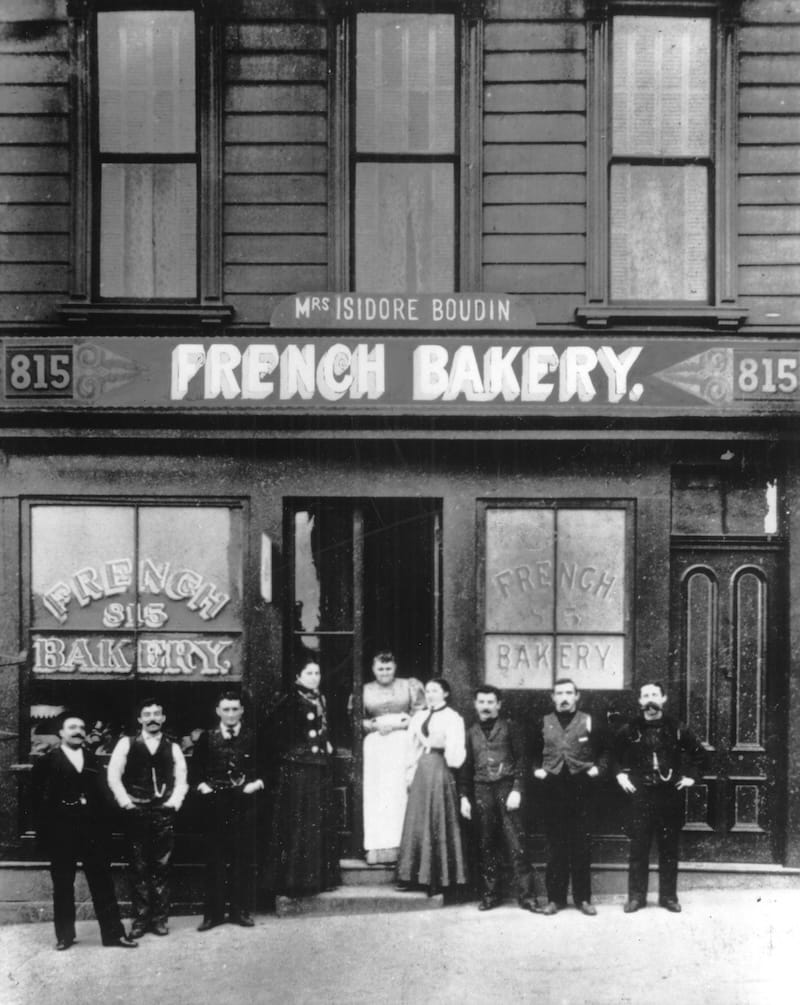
point(505, 373)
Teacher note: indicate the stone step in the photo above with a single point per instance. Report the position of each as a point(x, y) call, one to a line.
point(360, 899)
point(356, 872)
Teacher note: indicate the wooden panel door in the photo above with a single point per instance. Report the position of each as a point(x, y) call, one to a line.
point(726, 605)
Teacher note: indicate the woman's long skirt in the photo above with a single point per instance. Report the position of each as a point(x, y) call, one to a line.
point(303, 855)
point(385, 794)
point(431, 853)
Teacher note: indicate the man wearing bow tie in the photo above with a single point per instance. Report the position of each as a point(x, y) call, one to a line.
point(226, 775)
point(72, 826)
point(147, 775)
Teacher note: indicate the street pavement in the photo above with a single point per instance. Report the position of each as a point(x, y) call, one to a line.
point(731, 947)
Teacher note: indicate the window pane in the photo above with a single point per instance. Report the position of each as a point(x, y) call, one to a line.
point(323, 572)
point(662, 86)
point(405, 83)
point(659, 233)
point(707, 502)
point(148, 240)
point(146, 73)
point(81, 559)
point(405, 226)
point(590, 593)
point(519, 570)
point(190, 561)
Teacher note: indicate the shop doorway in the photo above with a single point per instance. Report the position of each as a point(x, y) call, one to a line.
point(365, 577)
point(726, 611)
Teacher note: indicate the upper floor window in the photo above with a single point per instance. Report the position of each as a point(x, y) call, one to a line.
point(661, 159)
point(661, 164)
point(404, 152)
point(147, 157)
point(406, 162)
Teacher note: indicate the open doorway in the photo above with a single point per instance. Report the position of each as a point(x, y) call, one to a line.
point(366, 576)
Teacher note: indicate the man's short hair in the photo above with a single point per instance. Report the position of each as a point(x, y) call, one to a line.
point(230, 694)
point(488, 689)
point(652, 683)
point(146, 703)
point(70, 713)
point(565, 680)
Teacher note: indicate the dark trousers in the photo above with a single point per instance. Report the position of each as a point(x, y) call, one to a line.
point(151, 838)
point(568, 825)
point(498, 830)
point(75, 841)
point(230, 844)
point(655, 810)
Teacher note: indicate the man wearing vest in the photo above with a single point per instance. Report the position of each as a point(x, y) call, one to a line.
point(491, 781)
point(569, 759)
point(656, 759)
point(226, 773)
point(147, 775)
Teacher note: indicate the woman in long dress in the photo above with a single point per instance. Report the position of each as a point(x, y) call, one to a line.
point(303, 855)
point(431, 853)
point(389, 702)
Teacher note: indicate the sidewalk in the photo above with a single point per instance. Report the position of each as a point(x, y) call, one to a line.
point(726, 948)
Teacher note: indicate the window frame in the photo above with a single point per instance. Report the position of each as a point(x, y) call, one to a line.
point(556, 505)
point(84, 302)
point(721, 309)
point(233, 504)
point(467, 239)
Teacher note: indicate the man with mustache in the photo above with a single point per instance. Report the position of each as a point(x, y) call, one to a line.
point(656, 759)
point(147, 775)
point(72, 826)
point(491, 783)
point(570, 756)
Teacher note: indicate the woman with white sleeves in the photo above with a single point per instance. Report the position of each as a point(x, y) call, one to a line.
point(431, 852)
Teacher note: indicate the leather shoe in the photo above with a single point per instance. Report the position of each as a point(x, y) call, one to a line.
point(208, 923)
point(489, 903)
point(586, 908)
point(550, 908)
point(137, 931)
point(245, 919)
point(530, 904)
point(632, 905)
point(122, 942)
point(63, 944)
point(159, 928)
point(671, 905)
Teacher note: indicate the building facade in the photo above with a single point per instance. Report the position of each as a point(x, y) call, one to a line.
point(467, 329)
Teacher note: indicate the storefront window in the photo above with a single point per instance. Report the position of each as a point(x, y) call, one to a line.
point(721, 502)
point(136, 592)
point(556, 596)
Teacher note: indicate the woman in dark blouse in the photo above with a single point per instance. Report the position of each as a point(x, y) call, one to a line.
point(303, 855)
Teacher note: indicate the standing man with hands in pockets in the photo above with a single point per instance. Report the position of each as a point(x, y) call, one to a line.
point(569, 759)
point(147, 775)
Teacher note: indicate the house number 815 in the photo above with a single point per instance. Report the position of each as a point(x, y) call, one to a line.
point(768, 375)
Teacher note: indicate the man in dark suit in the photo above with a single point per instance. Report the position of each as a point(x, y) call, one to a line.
point(491, 782)
point(656, 758)
point(225, 772)
point(72, 825)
